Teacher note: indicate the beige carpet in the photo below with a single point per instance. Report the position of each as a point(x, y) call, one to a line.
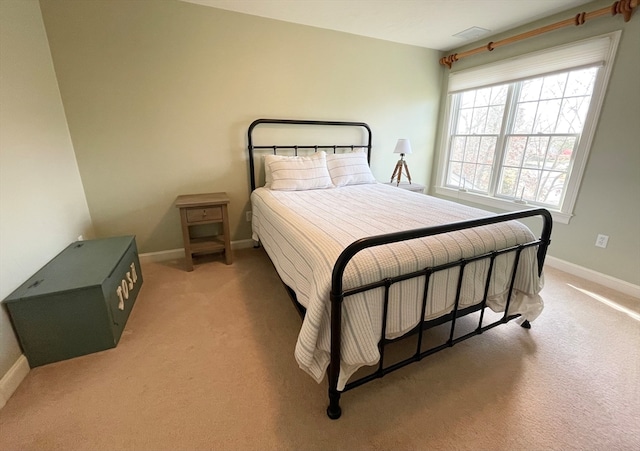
point(206, 362)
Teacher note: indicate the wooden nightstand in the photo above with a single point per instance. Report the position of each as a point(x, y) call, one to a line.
point(415, 187)
point(200, 209)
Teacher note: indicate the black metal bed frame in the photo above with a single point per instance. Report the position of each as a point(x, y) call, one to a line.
point(338, 293)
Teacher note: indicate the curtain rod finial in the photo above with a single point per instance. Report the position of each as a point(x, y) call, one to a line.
point(624, 7)
point(449, 60)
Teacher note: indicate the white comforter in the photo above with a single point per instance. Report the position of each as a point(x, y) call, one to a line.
point(304, 232)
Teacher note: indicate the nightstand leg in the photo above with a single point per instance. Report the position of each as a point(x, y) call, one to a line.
point(188, 260)
point(227, 239)
point(186, 240)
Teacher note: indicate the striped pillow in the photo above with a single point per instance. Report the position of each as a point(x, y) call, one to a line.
point(297, 173)
point(351, 168)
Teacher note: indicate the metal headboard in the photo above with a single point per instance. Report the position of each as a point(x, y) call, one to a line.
point(295, 148)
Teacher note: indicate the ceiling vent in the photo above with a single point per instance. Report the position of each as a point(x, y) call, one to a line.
point(472, 33)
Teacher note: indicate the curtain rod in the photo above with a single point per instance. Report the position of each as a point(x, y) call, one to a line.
point(624, 7)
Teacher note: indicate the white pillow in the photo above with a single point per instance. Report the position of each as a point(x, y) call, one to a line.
point(267, 169)
point(350, 168)
point(297, 173)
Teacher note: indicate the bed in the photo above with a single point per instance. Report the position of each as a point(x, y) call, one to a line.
point(368, 264)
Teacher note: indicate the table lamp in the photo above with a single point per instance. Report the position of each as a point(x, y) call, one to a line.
point(403, 146)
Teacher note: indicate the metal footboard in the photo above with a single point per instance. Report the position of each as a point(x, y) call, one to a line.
point(338, 294)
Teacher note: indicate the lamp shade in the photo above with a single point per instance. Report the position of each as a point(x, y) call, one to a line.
point(403, 146)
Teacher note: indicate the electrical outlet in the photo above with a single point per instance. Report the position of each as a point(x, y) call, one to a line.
point(602, 240)
point(248, 216)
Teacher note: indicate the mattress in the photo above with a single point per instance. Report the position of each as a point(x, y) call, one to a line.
point(304, 232)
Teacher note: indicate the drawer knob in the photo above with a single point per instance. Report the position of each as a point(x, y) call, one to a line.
point(204, 213)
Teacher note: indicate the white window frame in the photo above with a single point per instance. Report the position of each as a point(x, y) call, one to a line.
point(599, 49)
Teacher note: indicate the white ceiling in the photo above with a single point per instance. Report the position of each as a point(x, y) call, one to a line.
point(425, 23)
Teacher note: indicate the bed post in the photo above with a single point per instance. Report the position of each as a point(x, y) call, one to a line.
point(545, 240)
point(333, 410)
point(545, 237)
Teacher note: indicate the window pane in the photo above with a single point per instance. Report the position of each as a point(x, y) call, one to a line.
point(530, 90)
point(483, 96)
point(479, 120)
point(553, 86)
point(559, 153)
point(467, 99)
point(551, 188)
point(464, 122)
point(487, 149)
point(515, 151)
point(457, 148)
point(468, 175)
point(525, 115)
point(483, 178)
point(528, 185)
point(547, 116)
point(453, 177)
point(580, 82)
point(471, 152)
point(508, 182)
point(573, 114)
point(535, 151)
point(499, 95)
point(494, 119)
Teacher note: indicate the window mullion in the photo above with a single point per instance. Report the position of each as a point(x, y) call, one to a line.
point(505, 128)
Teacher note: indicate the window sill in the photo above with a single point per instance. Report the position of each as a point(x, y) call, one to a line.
point(558, 216)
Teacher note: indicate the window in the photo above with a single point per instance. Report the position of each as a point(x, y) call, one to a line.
point(519, 131)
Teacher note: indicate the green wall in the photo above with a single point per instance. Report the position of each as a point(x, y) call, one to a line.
point(159, 94)
point(609, 198)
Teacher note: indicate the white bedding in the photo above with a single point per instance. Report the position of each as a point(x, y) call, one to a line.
point(304, 232)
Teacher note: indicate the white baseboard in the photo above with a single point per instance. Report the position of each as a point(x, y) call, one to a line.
point(594, 276)
point(179, 253)
point(10, 381)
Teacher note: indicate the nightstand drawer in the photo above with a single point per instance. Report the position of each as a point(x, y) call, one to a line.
point(204, 214)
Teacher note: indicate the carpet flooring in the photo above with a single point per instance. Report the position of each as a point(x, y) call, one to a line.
point(206, 362)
